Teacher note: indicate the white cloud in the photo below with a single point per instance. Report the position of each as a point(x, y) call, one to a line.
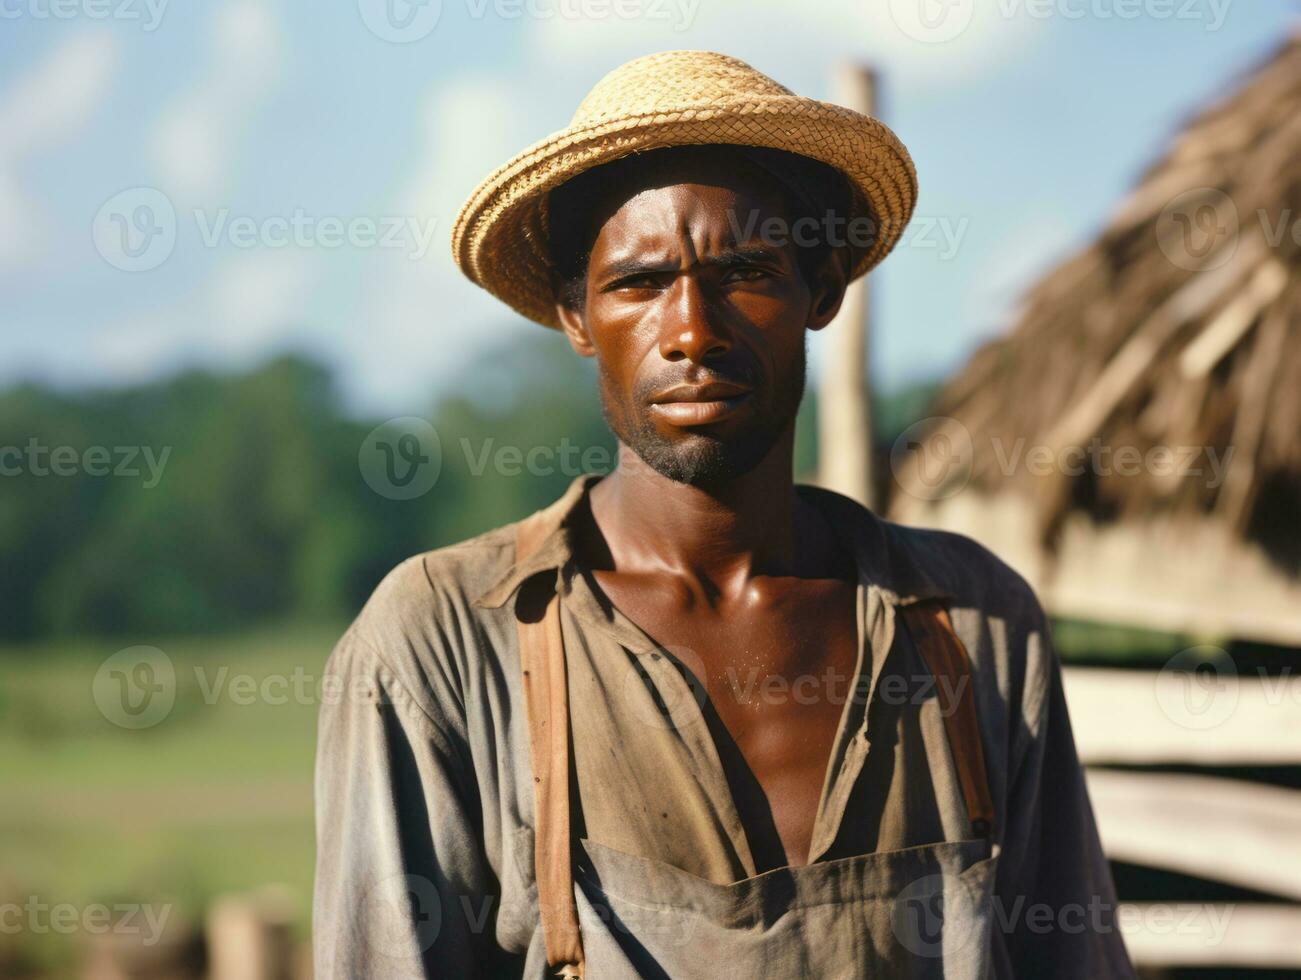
point(410, 305)
point(132, 349)
point(249, 300)
point(194, 140)
point(250, 304)
point(257, 296)
point(43, 108)
point(54, 100)
point(777, 33)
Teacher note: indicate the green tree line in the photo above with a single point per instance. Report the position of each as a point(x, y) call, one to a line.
point(205, 501)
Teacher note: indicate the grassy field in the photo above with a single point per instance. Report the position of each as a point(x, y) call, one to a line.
point(214, 797)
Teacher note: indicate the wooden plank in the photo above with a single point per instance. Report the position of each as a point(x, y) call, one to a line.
point(1226, 830)
point(1225, 329)
point(1180, 574)
point(1263, 619)
point(1149, 717)
point(1199, 293)
point(1204, 934)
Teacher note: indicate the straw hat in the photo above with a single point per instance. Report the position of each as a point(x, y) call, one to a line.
point(674, 98)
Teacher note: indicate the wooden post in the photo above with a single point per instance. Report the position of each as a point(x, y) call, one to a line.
point(128, 952)
point(250, 937)
point(844, 404)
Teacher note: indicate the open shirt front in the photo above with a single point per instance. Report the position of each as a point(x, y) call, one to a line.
point(425, 799)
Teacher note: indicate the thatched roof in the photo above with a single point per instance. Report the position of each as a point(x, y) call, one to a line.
point(1180, 326)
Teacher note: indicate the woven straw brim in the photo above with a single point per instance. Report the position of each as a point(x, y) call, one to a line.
point(499, 238)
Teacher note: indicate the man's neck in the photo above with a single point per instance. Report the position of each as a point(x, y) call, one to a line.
point(721, 536)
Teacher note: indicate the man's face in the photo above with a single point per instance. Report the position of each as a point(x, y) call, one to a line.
point(698, 327)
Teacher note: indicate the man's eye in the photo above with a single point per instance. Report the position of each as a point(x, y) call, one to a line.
point(647, 281)
point(748, 273)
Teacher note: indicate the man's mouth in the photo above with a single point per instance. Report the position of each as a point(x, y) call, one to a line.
point(686, 405)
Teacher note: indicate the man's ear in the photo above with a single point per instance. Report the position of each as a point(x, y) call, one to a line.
point(829, 287)
point(573, 323)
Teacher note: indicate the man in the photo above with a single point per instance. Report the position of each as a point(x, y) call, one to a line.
point(694, 719)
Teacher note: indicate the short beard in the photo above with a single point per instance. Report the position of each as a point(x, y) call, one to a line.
point(699, 459)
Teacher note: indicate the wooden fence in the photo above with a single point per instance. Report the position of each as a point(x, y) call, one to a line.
point(1235, 831)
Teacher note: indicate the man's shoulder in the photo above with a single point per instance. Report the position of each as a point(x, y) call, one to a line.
point(994, 611)
point(416, 642)
point(964, 568)
point(421, 624)
point(448, 578)
point(929, 561)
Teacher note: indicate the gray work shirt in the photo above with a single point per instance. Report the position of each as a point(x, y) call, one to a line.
point(424, 797)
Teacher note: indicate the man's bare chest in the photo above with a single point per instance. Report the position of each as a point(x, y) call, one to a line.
point(773, 674)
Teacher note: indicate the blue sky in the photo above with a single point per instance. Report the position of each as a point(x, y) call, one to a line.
point(250, 117)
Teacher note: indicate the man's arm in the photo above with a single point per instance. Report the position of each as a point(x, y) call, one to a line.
point(1055, 894)
point(399, 866)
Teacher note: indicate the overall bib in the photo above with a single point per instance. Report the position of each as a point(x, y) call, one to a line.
point(923, 911)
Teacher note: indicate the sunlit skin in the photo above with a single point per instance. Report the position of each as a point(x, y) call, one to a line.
point(735, 567)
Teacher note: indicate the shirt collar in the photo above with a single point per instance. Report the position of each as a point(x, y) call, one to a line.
point(890, 560)
point(555, 548)
point(890, 557)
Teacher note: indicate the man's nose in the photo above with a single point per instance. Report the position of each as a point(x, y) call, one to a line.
point(692, 329)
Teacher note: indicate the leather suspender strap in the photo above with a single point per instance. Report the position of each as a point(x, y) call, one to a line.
point(546, 699)
point(946, 657)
